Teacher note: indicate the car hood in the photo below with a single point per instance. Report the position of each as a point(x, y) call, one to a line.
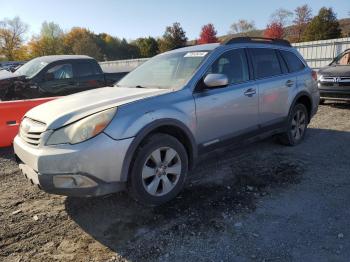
point(65, 110)
point(5, 75)
point(337, 70)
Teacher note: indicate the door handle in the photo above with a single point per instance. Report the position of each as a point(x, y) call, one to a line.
point(11, 123)
point(250, 92)
point(289, 83)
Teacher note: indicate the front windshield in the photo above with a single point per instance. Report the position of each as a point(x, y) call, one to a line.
point(31, 68)
point(171, 71)
point(343, 59)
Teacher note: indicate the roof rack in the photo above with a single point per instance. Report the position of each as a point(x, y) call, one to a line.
point(271, 41)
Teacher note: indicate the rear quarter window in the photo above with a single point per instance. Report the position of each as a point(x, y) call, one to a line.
point(293, 62)
point(87, 68)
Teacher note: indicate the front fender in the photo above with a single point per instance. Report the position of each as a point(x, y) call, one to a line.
point(140, 118)
point(133, 117)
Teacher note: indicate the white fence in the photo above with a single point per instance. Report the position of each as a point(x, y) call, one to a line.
point(320, 53)
point(120, 66)
point(316, 53)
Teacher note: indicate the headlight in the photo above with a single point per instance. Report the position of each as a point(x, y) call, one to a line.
point(83, 129)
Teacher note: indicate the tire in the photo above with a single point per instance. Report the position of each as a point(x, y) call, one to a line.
point(298, 120)
point(322, 101)
point(154, 179)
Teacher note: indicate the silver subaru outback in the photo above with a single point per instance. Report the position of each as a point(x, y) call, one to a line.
point(144, 134)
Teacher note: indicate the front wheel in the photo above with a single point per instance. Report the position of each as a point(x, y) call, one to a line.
point(296, 127)
point(159, 170)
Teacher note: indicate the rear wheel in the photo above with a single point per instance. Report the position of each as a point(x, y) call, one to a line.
point(159, 170)
point(296, 128)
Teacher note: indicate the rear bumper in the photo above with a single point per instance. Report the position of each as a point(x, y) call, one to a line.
point(90, 168)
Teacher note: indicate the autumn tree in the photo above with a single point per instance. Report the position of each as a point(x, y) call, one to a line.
point(242, 27)
point(80, 41)
point(274, 30)
point(281, 16)
point(303, 15)
point(12, 33)
point(49, 42)
point(323, 26)
point(148, 46)
point(208, 35)
point(173, 37)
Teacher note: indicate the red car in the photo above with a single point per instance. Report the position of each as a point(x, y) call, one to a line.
point(11, 113)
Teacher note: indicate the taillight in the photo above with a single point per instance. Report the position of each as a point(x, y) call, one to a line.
point(314, 75)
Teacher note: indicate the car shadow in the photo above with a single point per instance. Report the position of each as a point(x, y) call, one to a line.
point(225, 183)
point(7, 153)
point(338, 105)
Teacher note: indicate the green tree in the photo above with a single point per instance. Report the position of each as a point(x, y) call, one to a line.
point(51, 30)
point(109, 46)
point(128, 51)
point(49, 42)
point(12, 33)
point(323, 26)
point(113, 48)
point(173, 37)
point(148, 46)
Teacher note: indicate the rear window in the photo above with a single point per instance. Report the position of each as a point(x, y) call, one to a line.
point(265, 62)
point(87, 69)
point(293, 62)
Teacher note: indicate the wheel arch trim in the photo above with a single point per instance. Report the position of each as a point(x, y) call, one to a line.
point(296, 98)
point(148, 129)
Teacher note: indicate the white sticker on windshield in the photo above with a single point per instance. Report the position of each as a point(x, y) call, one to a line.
point(195, 54)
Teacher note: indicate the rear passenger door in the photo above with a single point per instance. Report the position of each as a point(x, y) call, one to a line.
point(274, 83)
point(89, 74)
point(226, 112)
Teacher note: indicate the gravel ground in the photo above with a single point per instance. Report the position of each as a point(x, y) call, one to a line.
point(263, 202)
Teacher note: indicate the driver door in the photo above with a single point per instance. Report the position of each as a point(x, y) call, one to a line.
point(58, 80)
point(226, 112)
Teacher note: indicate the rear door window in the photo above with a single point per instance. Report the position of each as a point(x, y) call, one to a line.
point(293, 62)
point(265, 62)
point(86, 69)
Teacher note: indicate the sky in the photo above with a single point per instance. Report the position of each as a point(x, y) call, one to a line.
point(131, 19)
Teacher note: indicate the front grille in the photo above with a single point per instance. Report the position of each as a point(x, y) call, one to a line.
point(31, 131)
point(335, 81)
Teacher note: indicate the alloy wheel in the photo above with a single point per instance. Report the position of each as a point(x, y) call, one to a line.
point(298, 125)
point(161, 171)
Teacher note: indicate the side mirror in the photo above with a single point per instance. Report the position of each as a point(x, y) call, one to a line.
point(216, 80)
point(49, 76)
